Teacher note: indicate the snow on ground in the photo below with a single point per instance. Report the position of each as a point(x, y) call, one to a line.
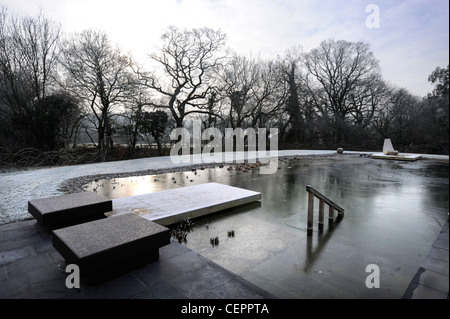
point(17, 188)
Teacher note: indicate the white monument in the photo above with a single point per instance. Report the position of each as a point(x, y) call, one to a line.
point(388, 149)
point(390, 153)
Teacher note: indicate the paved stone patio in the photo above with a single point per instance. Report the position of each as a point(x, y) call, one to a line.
point(30, 268)
point(432, 278)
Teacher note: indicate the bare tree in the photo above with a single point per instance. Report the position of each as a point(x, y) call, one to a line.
point(338, 69)
point(365, 99)
point(394, 116)
point(251, 91)
point(238, 79)
point(137, 103)
point(29, 50)
point(269, 94)
point(186, 60)
point(290, 66)
point(439, 99)
point(99, 75)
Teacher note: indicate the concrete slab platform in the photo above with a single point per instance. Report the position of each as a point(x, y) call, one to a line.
point(103, 248)
point(398, 157)
point(172, 206)
point(67, 210)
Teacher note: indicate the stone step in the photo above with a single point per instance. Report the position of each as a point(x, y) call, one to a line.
point(108, 247)
point(67, 210)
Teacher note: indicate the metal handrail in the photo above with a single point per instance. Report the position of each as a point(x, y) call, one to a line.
point(322, 200)
point(320, 196)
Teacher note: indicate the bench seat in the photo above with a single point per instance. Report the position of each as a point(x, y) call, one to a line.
point(67, 210)
point(109, 247)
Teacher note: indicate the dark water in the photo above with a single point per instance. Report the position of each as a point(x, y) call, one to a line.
point(393, 212)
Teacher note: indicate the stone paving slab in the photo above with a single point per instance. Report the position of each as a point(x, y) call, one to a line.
point(173, 205)
point(66, 210)
point(398, 157)
point(432, 278)
point(109, 245)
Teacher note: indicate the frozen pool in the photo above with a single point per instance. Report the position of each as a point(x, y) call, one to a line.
point(393, 212)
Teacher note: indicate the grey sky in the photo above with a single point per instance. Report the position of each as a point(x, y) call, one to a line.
point(412, 40)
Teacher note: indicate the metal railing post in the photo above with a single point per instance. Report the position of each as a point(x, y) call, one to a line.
point(310, 213)
point(323, 200)
point(330, 214)
point(321, 204)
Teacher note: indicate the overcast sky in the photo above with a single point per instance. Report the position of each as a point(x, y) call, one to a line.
point(411, 41)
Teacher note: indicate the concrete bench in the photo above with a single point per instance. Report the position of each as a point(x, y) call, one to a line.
point(67, 210)
point(106, 248)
